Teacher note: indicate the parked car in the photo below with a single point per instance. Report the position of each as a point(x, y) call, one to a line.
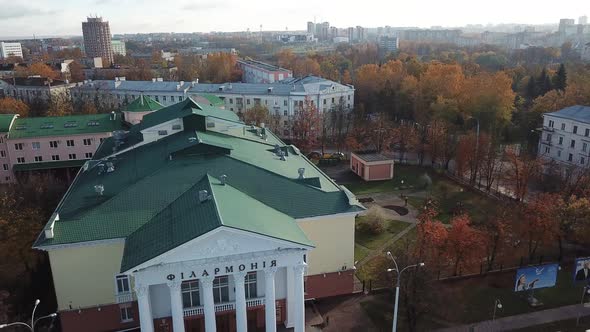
point(314, 155)
point(339, 155)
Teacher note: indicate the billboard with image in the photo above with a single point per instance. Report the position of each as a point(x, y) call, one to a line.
point(582, 269)
point(535, 277)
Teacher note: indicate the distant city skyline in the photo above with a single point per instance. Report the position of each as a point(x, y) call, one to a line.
point(64, 17)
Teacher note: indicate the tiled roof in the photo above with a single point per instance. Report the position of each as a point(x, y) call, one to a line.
point(143, 104)
point(370, 157)
point(151, 196)
point(6, 121)
point(64, 125)
point(576, 113)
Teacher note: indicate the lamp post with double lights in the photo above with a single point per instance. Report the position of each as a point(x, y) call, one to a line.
point(397, 286)
point(34, 321)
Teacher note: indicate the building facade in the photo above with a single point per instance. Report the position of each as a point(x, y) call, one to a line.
point(388, 44)
point(565, 138)
point(194, 221)
point(10, 49)
point(371, 166)
point(34, 88)
point(283, 98)
point(97, 39)
point(119, 47)
point(260, 72)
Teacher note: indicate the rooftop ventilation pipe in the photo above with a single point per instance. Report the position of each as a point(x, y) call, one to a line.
point(223, 178)
point(99, 189)
point(301, 172)
point(204, 196)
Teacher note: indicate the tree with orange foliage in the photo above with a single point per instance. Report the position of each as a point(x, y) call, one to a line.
point(307, 126)
point(519, 172)
point(40, 69)
point(439, 79)
point(9, 105)
point(286, 58)
point(495, 233)
point(431, 240)
point(464, 243)
point(405, 138)
point(488, 97)
point(539, 223)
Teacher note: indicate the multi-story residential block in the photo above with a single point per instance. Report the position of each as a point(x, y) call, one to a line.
point(97, 39)
point(182, 224)
point(259, 72)
point(283, 98)
point(388, 44)
point(119, 47)
point(34, 88)
point(565, 138)
point(10, 49)
point(6, 121)
point(42, 143)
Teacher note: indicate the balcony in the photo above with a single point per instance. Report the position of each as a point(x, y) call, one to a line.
point(546, 128)
point(227, 306)
point(124, 297)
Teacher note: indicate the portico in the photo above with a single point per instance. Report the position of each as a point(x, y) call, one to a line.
point(236, 280)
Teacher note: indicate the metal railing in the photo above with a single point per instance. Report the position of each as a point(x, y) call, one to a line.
point(124, 297)
point(254, 302)
point(226, 306)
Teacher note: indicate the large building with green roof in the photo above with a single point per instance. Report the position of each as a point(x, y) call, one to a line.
point(191, 220)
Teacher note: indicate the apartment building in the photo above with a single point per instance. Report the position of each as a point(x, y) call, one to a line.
point(97, 40)
point(10, 49)
point(565, 138)
point(35, 88)
point(259, 72)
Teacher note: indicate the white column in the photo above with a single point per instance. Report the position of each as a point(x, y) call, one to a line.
point(176, 305)
point(299, 310)
point(270, 310)
point(145, 308)
point(290, 321)
point(241, 310)
point(206, 285)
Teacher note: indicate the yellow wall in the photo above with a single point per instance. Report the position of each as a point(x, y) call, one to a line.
point(334, 241)
point(85, 276)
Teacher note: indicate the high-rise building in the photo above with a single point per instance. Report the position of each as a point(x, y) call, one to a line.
point(97, 39)
point(583, 20)
point(388, 44)
point(564, 23)
point(119, 47)
point(10, 49)
point(361, 33)
point(350, 33)
point(311, 28)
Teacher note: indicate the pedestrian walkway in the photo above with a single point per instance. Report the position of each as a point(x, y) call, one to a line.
point(525, 320)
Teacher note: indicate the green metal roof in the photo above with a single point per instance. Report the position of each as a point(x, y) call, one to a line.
point(150, 198)
point(143, 104)
point(48, 165)
point(209, 99)
point(5, 121)
point(64, 125)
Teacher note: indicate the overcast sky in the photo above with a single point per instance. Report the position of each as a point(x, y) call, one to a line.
point(64, 17)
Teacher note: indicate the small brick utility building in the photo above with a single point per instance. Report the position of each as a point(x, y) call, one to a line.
point(371, 166)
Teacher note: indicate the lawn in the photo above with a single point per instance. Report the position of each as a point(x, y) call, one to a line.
point(478, 295)
point(360, 252)
point(372, 242)
point(410, 175)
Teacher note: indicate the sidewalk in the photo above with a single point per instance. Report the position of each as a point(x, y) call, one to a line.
point(524, 320)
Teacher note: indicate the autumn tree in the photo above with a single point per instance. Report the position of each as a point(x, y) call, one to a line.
point(9, 105)
point(496, 231)
point(306, 125)
point(539, 221)
point(519, 172)
point(256, 115)
point(405, 138)
point(37, 68)
point(464, 243)
point(76, 71)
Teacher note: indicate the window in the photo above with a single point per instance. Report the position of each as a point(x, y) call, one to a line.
point(70, 142)
point(332, 100)
point(36, 145)
point(190, 294)
point(157, 98)
point(163, 98)
point(55, 157)
point(88, 155)
point(285, 123)
point(231, 100)
point(172, 98)
point(38, 158)
point(72, 156)
point(575, 129)
point(582, 160)
point(551, 123)
point(102, 139)
point(122, 284)
point(348, 97)
point(162, 132)
point(570, 157)
point(220, 289)
point(285, 113)
point(587, 132)
point(248, 101)
point(126, 314)
point(324, 101)
point(584, 146)
point(559, 153)
point(20, 160)
point(547, 150)
point(573, 144)
point(176, 127)
point(563, 126)
point(87, 141)
point(179, 98)
point(18, 146)
point(548, 137)
point(250, 284)
point(3, 154)
point(284, 103)
point(5, 167)
point(560, 141)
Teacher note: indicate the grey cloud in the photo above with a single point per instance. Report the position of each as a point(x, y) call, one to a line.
point(9, 12)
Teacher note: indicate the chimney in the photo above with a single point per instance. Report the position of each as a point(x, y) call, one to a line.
point(181, 83)
point(204, 196)
point(99, 189)
point(301, 172)
point(222, 179)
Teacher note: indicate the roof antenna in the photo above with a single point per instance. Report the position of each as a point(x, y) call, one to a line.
point(223, 178)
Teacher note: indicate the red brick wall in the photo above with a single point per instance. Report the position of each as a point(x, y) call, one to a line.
point(332, 284)
point(91, 320)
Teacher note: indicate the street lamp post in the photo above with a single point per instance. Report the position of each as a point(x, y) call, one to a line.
point(497, 305)
point(34, 321)
point(397, 286)
point(584, 291)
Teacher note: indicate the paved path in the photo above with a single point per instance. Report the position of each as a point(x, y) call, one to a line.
point(524, 320)
point(381, 249)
